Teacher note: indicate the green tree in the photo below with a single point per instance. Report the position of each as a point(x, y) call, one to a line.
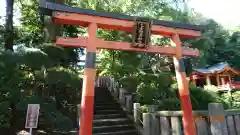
point(9, 26)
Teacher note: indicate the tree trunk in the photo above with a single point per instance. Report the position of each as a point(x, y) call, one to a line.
point(9, 26)
point(51, 30)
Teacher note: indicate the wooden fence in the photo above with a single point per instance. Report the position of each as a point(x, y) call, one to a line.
point(214, 121)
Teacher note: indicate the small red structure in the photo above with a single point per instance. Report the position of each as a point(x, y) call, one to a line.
point(220, 75)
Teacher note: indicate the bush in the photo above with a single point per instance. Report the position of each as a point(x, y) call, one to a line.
point(154, 88)
point(130, 83)
point(144, 108)
point(30, 76)
point(5, 114)
point(201, 98)
point(159, 90)
point(60, 122)
point(169, 104)
point(232, 100)
point(236, 96)
point(210, 88)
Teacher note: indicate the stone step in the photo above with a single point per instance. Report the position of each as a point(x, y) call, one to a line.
point(109, 116)
point(107, 103)
point(103, 96)
point(113, 103)
point(112, 128)
point(107, 107)
point(103, 100)
point(128, 132)
point(112, 111)
point(72, 132)
point(100, 88)
point(102, 91)
point(107, 122)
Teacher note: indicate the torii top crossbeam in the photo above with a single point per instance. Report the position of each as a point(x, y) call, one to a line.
point(63, 14)
point(115, 21)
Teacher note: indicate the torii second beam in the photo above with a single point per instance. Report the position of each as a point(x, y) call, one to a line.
point(82, 42)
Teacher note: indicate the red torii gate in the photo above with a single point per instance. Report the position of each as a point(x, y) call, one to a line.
point(63, 14)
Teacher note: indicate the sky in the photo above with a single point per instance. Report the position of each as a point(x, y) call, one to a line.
point(2, 8)
point(226, 12)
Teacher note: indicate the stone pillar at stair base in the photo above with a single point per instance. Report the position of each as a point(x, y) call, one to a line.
point(146, 124)
point(116, 92)
point(129, 103)
point(153, 120)
point(151, 108)
point(137, 113)
point(122, 92)
point(217, 118)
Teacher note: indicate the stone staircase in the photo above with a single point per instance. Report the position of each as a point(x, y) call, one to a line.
point(109, 117)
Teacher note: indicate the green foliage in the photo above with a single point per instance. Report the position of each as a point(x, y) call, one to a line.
point(50, 113)
point(154, 88)
point(216, 45)
point(169, 104)
point(168, 99)
point(211, 88)
point(9, 83)
point(233, 99)
point(39, 57)
point(56, 53)
point(32, 22)
point(200, 98)
point(5, 114)
point(60, 121)
point(236, 96)
point(144, 108)
point(55, 75)
point(22, 105)
point(130, 83)
point(30, 73)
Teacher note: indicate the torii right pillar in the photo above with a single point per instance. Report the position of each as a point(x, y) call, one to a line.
point(187, 116)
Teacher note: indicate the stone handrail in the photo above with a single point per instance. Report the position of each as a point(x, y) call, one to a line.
point(195, 113)
point(214, 121)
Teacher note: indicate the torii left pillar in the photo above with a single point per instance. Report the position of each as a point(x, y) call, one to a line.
point(86, 115)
